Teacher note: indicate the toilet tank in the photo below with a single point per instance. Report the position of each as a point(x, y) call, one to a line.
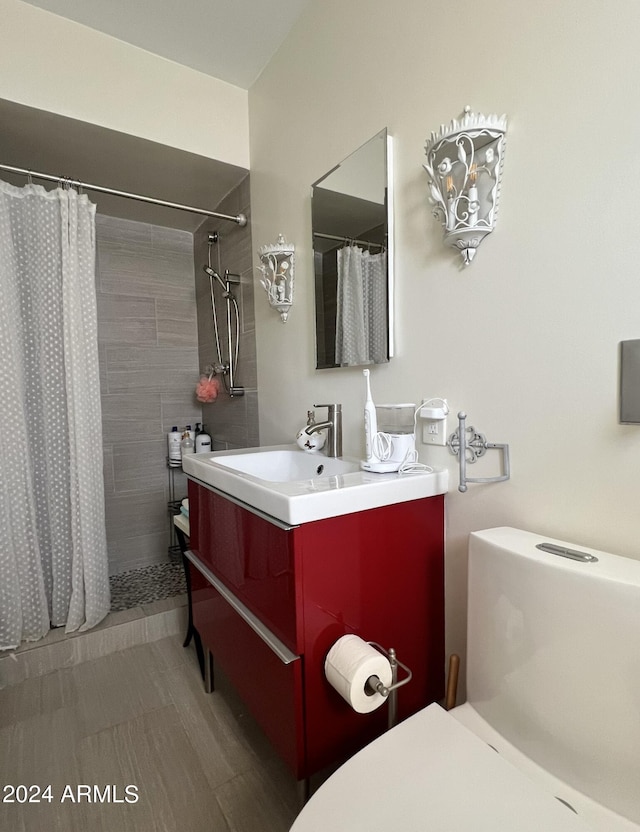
point(554, 660)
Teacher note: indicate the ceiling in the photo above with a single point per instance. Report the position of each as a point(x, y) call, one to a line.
point(99, 156)
point(232, 40)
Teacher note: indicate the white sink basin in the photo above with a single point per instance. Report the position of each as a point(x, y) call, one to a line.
point(299, 487)
point(286, 465)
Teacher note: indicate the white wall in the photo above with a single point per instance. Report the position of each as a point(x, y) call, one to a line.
point(526, 339)
point(60, 66)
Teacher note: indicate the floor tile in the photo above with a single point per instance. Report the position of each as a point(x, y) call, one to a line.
point(140, 717)
point(249, 803)
point(152, 753)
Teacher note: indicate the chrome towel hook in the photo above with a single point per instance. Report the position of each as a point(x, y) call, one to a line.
point(469, 445)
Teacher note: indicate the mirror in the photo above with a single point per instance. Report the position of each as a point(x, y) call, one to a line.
point(351, 216)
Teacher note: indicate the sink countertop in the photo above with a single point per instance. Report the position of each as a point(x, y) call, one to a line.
point(316, 498)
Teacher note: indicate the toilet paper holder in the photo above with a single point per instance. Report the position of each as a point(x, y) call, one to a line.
point(375, 685)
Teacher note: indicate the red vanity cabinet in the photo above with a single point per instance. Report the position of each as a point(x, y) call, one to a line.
point(277, 597)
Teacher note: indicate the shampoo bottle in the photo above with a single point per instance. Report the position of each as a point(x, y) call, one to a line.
point(174, 438)
point(203, 442)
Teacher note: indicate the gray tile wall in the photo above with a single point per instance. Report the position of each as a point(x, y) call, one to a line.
point(232, 422)
point(148, 349)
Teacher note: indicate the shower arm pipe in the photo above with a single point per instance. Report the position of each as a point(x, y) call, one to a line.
point(240, 219)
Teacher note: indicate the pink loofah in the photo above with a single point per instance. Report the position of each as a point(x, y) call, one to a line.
point(207, 389)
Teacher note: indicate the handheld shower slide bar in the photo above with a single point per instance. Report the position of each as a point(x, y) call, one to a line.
point(240, 219)
point(229, 367)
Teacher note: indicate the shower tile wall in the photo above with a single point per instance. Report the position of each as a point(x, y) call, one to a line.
point(148, 370)
point(232, 422)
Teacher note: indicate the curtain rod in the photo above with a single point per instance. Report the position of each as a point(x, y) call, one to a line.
point(346, 239)
point(239, 218)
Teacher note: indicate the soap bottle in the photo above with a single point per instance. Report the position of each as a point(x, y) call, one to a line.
point(203, 442)
point(174, 438)
point(187, 446)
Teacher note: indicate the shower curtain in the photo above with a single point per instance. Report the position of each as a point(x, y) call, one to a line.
point(361, 319)
point(53, 555)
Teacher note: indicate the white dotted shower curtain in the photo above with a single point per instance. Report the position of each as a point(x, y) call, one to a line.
point(361, 319)
point(53, 554)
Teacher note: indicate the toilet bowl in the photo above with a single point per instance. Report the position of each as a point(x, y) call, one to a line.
point(549, 739)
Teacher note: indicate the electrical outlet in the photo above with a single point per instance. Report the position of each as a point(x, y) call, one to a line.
point(434, 431)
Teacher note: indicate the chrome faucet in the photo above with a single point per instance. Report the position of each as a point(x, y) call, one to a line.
point(333, 426)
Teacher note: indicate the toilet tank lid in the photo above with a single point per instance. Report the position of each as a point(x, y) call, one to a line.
point(608, 566)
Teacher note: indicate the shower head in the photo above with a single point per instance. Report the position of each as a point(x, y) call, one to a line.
point(214, 274)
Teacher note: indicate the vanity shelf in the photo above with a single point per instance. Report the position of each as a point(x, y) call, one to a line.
point(270, 598)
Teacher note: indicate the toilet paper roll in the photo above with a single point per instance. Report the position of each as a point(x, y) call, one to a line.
point(349, 663)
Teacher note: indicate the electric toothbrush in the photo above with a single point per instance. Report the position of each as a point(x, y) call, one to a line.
point(378, 446)
point(370, 422)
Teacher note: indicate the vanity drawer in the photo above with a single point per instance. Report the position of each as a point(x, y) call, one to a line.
point(252, 556)
point(264, 672)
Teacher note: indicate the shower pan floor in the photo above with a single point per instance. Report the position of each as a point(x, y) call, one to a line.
point(146, 585)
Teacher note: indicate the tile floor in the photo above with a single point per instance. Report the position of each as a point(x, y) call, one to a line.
point(139, 717)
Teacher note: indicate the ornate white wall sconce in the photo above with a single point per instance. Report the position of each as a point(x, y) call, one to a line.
point(464, 163)
point(277, 268)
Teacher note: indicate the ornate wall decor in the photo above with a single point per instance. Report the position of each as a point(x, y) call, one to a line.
point(277, 269)
point(464, 163)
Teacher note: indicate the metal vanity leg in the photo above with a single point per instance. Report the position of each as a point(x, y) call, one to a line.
point(199, 651)
point(208, 671)
point(182, 542)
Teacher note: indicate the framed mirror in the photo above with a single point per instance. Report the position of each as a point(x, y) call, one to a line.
point(352, 222)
